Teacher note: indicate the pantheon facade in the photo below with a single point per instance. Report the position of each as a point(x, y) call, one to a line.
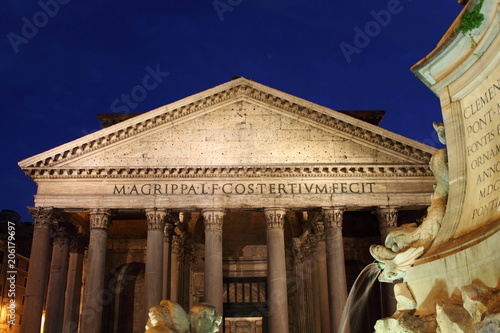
point(256, 201)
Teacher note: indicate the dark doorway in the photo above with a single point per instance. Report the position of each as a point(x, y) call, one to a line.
point(245, 305)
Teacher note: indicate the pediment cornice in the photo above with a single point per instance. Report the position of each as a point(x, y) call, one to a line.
point(261, 171)
point(240, 89)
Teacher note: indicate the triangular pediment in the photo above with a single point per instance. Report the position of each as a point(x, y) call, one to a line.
point(239, 123)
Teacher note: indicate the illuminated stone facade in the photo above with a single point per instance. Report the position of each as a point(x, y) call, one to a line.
point(225, 196)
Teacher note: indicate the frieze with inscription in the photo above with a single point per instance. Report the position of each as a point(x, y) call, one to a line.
point(233, 188)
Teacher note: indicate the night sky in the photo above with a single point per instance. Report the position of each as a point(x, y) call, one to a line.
point(63, 61)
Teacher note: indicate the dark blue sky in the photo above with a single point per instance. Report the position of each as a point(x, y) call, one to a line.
point(61, 62)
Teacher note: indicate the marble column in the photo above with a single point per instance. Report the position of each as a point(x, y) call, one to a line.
point(74, 284)
point(167, 253)
point(38, 271)
point(213, 257)
point(184, 277)
point(387, 220)
point(153, 275)
point(308, 245)
point(177, 253)
point(337, 286)
point(299, 299)
point(276, 271)
point(93, 296)
point(54, 309)
point(320, 257)
point(312, 296)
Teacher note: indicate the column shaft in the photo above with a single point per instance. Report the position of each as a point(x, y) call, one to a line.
point(73, 286)
point(91, 318)
point(38, 271)
point(213, 257)
point(177, 254)
point(308, 294)
point(153, 276)
point(335, 266)
point(167, 250)
point(276, 271)
point(54, 310)
point(299, 299)
point(388, 220)
point(316, 297)
point(174, 277)
point(323, 287)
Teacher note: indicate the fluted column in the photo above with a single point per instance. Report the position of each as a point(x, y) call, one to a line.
point(387, 220)
point(167, 253)
point(54, 310)
point(322, 276)
point(37, 274)
point(74, 284)
point(153, 276)
point(213, 257)
point(276, 270)
point(337, 286)
point(91, 318)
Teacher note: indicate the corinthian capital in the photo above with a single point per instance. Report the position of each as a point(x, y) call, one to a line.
point(178, 243)
point(100, 218)
point(275, 217)
point(213, 218)
point(156, 218)
point(42, 216)
point(333, 216)
point(319, 230)
point(62, 232)
point(78, 242)
point(168, 229)
point(387, 217)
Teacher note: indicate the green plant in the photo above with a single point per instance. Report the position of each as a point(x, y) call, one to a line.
point(471, 20)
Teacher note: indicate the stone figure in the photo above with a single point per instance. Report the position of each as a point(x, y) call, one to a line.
point(406, 243)
point(204, 318)
point(170, 317)
point(167, 317)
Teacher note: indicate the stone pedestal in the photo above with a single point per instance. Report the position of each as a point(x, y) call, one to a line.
point(54, 309)
point(276, 271)
point(38, 271)
point(153, 275)
point(337, 291)
point(73, 284)
point(213, 257)
point(94, 281)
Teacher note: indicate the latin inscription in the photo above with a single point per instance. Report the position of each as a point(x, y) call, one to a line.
point(243, 188)
point(481, 115)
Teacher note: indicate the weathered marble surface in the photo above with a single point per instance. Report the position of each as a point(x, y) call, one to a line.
point(455, 282)
point(213, 149)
